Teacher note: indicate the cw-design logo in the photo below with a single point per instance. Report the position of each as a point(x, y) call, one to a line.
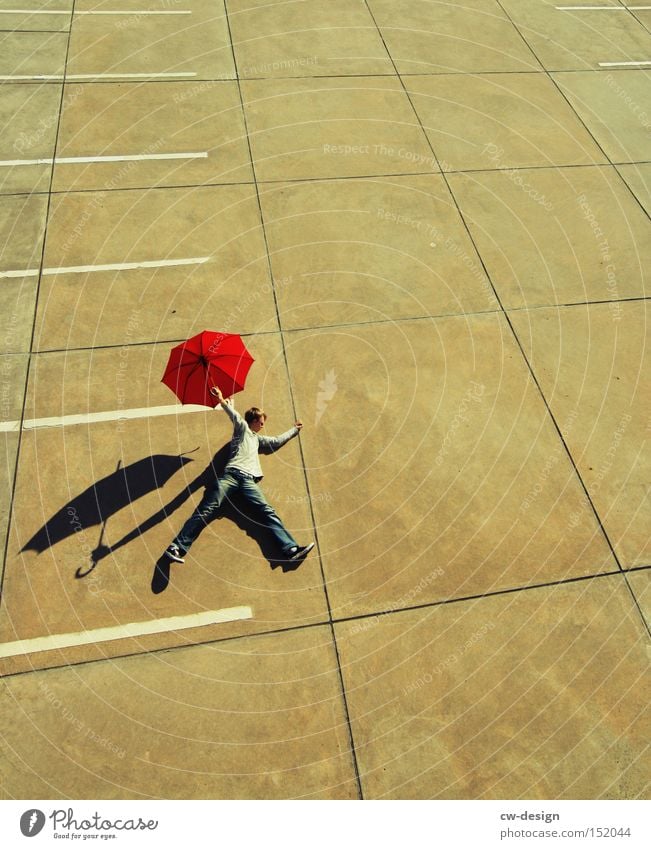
point(32, 822)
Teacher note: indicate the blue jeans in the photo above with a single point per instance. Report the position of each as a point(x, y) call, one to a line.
point(226, 485)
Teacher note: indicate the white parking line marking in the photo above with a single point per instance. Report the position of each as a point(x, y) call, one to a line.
point(64, 12)
point(135, 12)
point(113, 266)
point(126, 266)
point(34, 12)
point(71, 160)
point(602, 8)
point(121, 632)
point(104, 416)
point(623, 64)
point(28, 272)
point(96, 76)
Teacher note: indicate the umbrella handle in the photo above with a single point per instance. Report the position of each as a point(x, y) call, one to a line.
point(81, 574)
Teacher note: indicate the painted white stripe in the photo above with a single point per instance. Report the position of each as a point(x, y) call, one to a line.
point(69, 160)
point(121, 632)
point(96, 76)
point(34, 12)
point(134, 12)
point(32, 77)
point(64, 12)
point(126, 266)
point(623, 64)
point(12, 162)
point(602, 8)
point(132, 76)
point(114, 266)
point(104, 416)
point(27, 272)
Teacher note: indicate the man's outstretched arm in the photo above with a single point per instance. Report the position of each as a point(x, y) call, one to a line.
point(229, 409)
point(269, 444)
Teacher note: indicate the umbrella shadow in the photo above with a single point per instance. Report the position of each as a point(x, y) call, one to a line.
point(235, 510)
point(95, 505)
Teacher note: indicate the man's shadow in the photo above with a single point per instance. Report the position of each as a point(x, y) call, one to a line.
point(106, 497)
point(234, 508)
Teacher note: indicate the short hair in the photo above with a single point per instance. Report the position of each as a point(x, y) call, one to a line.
point(253, 414)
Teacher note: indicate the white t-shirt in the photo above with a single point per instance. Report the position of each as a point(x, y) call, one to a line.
point(247, 445)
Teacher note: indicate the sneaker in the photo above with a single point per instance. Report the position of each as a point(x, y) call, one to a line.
point(301, 552)
point(174, 553)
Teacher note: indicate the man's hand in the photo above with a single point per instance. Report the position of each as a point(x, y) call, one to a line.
point(298, 424)
point(217, 393)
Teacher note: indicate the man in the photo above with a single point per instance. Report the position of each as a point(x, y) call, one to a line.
point(242, 474)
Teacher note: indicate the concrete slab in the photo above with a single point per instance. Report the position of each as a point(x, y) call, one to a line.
point(644, 17)
point(429, 469)
point(148, 120)
point(130, 377)
point(499, 121)
point(607, 386)
point(31, 54)
point(28, 21)
point(369, 250)
point(556, 236)
point(435, 471)
point(307, 39)
point(256, 718)
point(140, 479)
point(28, 117)
point(579, 40)
point(432, 37)
point(196, 44)
point(230, 292)
point(532, 695)
point(638, 179)
point(13, 370)
point(640, 582)
point(22, 227)
point(333, 127)
point(17, 303)
point(614, 107)
point(9, 449)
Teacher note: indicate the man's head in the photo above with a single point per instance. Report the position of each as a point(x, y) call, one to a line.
point(255, 418)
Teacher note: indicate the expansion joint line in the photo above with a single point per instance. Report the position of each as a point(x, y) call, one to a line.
point(36, 302)
point(293, 402)
point(535, 379)
point(496, 294)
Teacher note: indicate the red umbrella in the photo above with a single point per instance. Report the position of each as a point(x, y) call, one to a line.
point(208, 359)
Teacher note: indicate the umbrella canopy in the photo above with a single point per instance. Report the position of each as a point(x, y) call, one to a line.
point(206, 360)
